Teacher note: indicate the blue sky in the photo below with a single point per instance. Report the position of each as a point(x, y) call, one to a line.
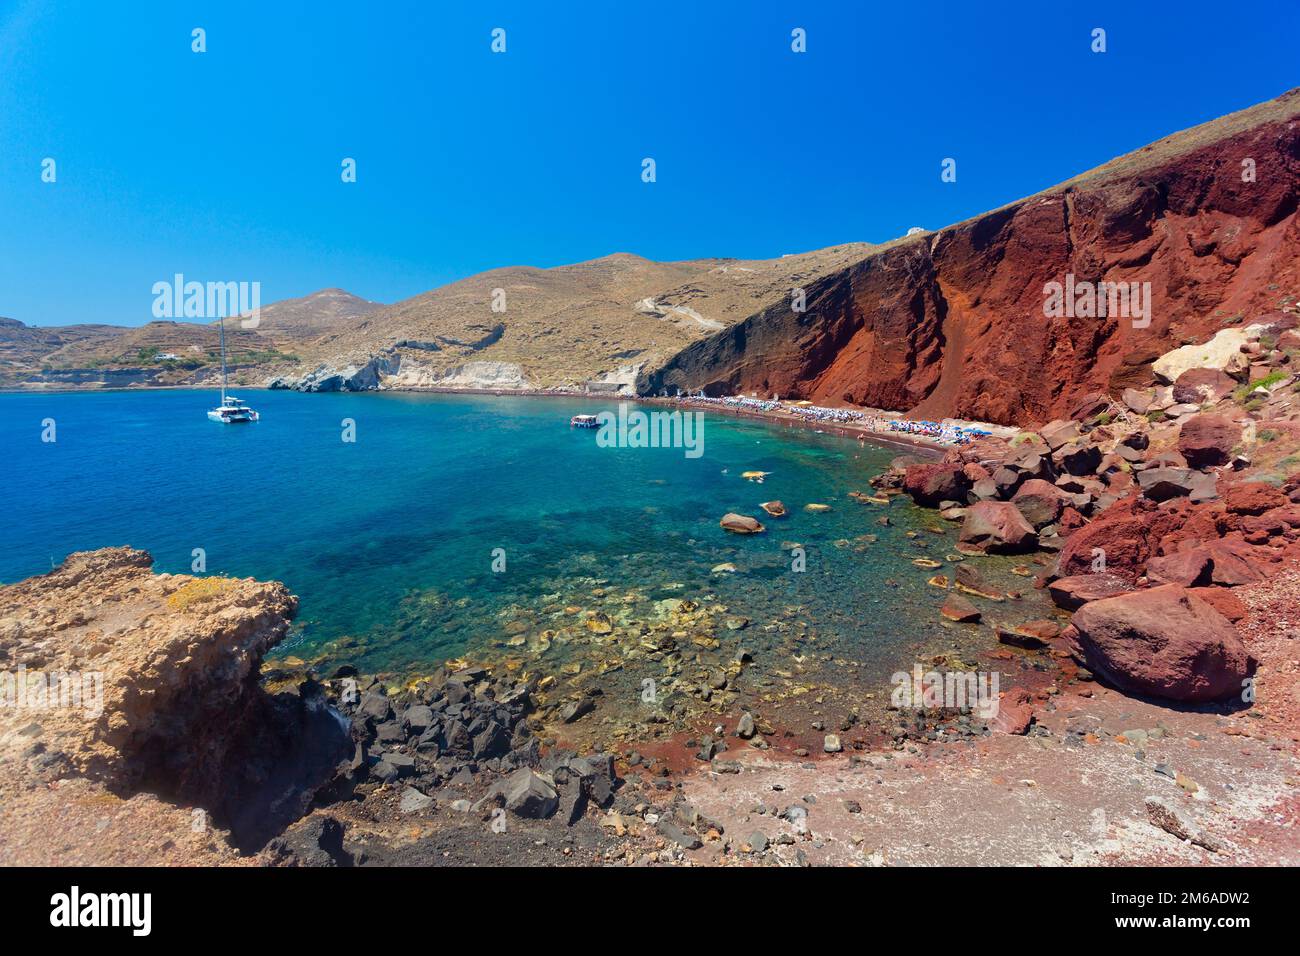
point(226, 165)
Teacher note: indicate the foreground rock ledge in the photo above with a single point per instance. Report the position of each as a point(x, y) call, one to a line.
point(182, 725)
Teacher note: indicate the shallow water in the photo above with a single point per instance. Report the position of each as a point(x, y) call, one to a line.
point(389, 541)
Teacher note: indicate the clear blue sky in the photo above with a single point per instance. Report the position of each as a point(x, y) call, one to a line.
point(225, 165)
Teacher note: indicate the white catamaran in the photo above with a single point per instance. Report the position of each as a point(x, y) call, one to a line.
point(231, 410)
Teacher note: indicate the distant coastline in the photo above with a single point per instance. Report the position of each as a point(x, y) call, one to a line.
point(908, 443)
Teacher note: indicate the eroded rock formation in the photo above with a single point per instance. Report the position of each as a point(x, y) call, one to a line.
point(125, 687)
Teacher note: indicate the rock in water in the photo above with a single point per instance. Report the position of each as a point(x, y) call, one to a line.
point(775, 508)
point(996, 527)
point(958, 609)
point(740, 524)
point(1164, 642)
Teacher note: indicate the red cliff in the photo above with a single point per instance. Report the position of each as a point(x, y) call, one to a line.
point(953, 323)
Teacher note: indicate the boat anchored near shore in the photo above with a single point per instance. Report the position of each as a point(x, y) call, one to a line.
point(231, 411)
point(583, 421)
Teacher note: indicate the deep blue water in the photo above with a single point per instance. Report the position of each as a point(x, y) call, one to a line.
point(389, 540)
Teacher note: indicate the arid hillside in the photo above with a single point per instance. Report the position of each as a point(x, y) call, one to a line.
point(603, 320)
point(170, 352)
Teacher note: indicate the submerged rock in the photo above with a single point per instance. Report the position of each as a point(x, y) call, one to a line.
point(740, 524)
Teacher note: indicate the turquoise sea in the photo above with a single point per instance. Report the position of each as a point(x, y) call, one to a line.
point(389, 540)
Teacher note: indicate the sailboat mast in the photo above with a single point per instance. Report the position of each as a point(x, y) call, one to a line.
point(223, 360)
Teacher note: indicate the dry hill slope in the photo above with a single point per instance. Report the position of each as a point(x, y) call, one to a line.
point(600, 320)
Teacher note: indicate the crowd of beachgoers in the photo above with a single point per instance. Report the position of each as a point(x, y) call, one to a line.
point(945, 432)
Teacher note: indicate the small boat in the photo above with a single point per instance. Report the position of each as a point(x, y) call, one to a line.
point(583, 421)
point(232, 410)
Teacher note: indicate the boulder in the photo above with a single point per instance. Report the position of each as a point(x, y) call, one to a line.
point(774, 508)
point(1163, 642)
point(413, 801)
point(996, 527)
point(931, 483)
point(527, 793)
point(1253, 498)
point(1232, 563)
point(1161, 484)
point(740, 524)
point(1079, 457)
point(1032, 635)
point(1224, 601)
point(1076, 590)
point(1138, 400)
point(1184, 568)
point(1222, 353)
point(1059, 432)
point(1015, 713)
point(967, 579)
point(1040, 502)
point(1199, 385)
point(1208, 440)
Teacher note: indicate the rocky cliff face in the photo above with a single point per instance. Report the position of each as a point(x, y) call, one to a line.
point(953, 323)
point(134, 698)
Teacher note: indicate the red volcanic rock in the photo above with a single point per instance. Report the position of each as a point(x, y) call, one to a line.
point(1075, 591)
point(934, 482)
point(1233, 563)
point(1207, 440)
point(1254, 498)
point(1015, 713)
point(1184, 568)
point(996, 527)
point(1032, 635)
point(958, 609)
point(1070, 521)
point(1199, 385)
point(1163, 642)
point(1128, 534)
point(1041, 502)
point(953, 323)
point(1223, 601)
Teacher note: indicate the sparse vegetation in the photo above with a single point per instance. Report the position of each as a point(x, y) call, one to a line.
point(1268, 381)
point(196, 592)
